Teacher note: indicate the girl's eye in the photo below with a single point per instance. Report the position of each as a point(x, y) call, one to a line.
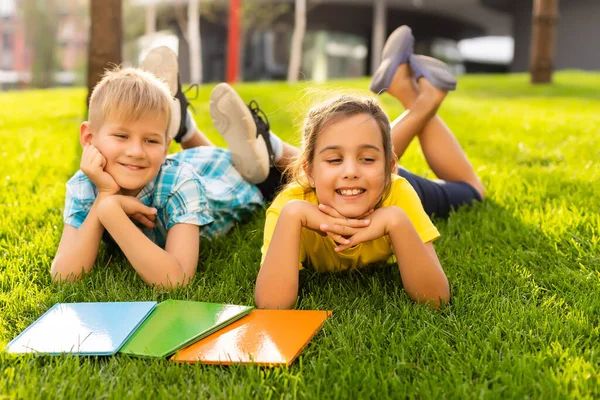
point(121, 136)
point(368, 160)
point(152, 141)
point(333, 161)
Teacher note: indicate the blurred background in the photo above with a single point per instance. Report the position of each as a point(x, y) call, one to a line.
point(46, 43)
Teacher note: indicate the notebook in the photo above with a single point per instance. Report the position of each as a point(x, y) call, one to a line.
point(97, 329)
point(175, 324)
point(264, 337)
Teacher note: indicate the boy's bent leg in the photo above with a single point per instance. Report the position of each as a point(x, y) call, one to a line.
point(440, 197)
point(247, 139)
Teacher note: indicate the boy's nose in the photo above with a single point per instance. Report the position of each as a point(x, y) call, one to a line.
point(135, 150)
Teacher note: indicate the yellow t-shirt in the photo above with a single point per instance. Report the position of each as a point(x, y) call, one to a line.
point(318, 251)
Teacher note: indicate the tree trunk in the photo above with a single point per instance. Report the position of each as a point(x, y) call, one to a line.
point(297, 39)
point(195, 47)
point(545, 16)
point(105, 40)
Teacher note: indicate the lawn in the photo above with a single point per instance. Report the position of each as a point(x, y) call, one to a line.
point(524, 266)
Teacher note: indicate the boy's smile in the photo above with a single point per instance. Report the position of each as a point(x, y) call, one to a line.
point(348, 169)
point(134, 151)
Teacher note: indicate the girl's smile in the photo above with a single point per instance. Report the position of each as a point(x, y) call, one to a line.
point(348, 170)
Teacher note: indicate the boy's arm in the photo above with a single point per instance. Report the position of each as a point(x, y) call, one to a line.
point(174, 266)
point(78, 248)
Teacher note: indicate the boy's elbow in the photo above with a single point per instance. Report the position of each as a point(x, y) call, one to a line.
point(59, 274)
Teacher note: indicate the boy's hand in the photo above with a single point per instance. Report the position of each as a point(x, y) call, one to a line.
point(138, 211)
point(131, 206)
point(92, 164)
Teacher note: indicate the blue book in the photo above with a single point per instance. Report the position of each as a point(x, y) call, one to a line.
point(90, 329)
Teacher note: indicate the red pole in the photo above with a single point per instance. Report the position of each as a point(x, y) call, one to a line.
point(233, 41)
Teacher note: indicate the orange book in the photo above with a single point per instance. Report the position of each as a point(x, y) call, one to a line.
point(263, 337)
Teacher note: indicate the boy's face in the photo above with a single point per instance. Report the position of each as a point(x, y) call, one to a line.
point(134, 150)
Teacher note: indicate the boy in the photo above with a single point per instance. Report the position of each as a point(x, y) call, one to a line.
point(126, 175)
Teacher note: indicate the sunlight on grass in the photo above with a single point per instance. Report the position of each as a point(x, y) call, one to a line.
point(524, 266)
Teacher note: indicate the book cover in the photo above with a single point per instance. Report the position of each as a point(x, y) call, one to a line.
point(82, 328)
point(264, 337)
point(175, 324)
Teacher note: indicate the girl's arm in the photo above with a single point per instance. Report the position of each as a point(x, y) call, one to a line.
point(277, 281)
point(78, 248)
point(422, 275)
point(174, 266)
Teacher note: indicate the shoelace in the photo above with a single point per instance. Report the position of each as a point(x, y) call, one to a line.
point(263, 126)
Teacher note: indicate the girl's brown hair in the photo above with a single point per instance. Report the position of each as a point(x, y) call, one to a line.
point(329, 112)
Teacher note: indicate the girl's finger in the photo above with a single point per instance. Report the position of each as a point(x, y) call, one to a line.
point(354, 223)
point(339, 229)
point(339, 239)
point(330, 211)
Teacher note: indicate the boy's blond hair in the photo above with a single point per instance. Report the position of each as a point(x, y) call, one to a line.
point(129, 94)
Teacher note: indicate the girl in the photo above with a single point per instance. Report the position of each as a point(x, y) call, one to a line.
point(348, 206)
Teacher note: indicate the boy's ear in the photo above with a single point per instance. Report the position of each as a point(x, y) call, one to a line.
point(167, 145)
point(85, 134)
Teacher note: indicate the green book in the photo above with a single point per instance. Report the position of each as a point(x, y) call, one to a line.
point(175, 324)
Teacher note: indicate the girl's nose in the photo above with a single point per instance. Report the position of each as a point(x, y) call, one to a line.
point(350, 170)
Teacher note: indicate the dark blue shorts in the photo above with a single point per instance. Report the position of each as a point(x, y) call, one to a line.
point(438, 198)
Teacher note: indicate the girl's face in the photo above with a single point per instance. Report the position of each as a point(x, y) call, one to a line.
point(348, 169)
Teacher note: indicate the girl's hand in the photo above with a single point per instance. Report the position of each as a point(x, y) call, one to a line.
point(92, 164)
point(342, 228)
point(381, 220)
point(311, 217)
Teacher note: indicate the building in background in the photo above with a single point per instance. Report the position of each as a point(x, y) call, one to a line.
point(577, 45)
point(19, 48)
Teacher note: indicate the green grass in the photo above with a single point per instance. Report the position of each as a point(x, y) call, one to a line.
point(524, 266)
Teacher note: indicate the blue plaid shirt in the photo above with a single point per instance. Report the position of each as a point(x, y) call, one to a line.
point(197, 186)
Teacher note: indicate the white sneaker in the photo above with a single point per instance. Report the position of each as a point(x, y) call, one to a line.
point(245, 137)
point(162, 62)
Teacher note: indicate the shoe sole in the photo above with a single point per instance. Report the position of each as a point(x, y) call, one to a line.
point(397, 50)
point(233, 120)
point(435, 71)
point(162, 62)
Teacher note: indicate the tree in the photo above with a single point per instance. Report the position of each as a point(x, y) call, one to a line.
point(297, 39)
point(105, 39)
point(41, 18)
point(545, 16)
point(190, 29)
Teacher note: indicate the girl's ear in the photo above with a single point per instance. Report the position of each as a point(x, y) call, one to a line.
point(85, 134)
point(394, 163)
point(307, 171)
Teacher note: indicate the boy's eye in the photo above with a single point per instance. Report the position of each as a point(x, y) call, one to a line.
point(120, 135)
point(153, 141)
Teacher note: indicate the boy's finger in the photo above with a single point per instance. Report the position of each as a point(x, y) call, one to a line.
point(142, 219)
point(354, 223)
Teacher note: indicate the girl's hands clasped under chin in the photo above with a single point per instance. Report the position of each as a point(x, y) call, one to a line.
point(379, 222)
